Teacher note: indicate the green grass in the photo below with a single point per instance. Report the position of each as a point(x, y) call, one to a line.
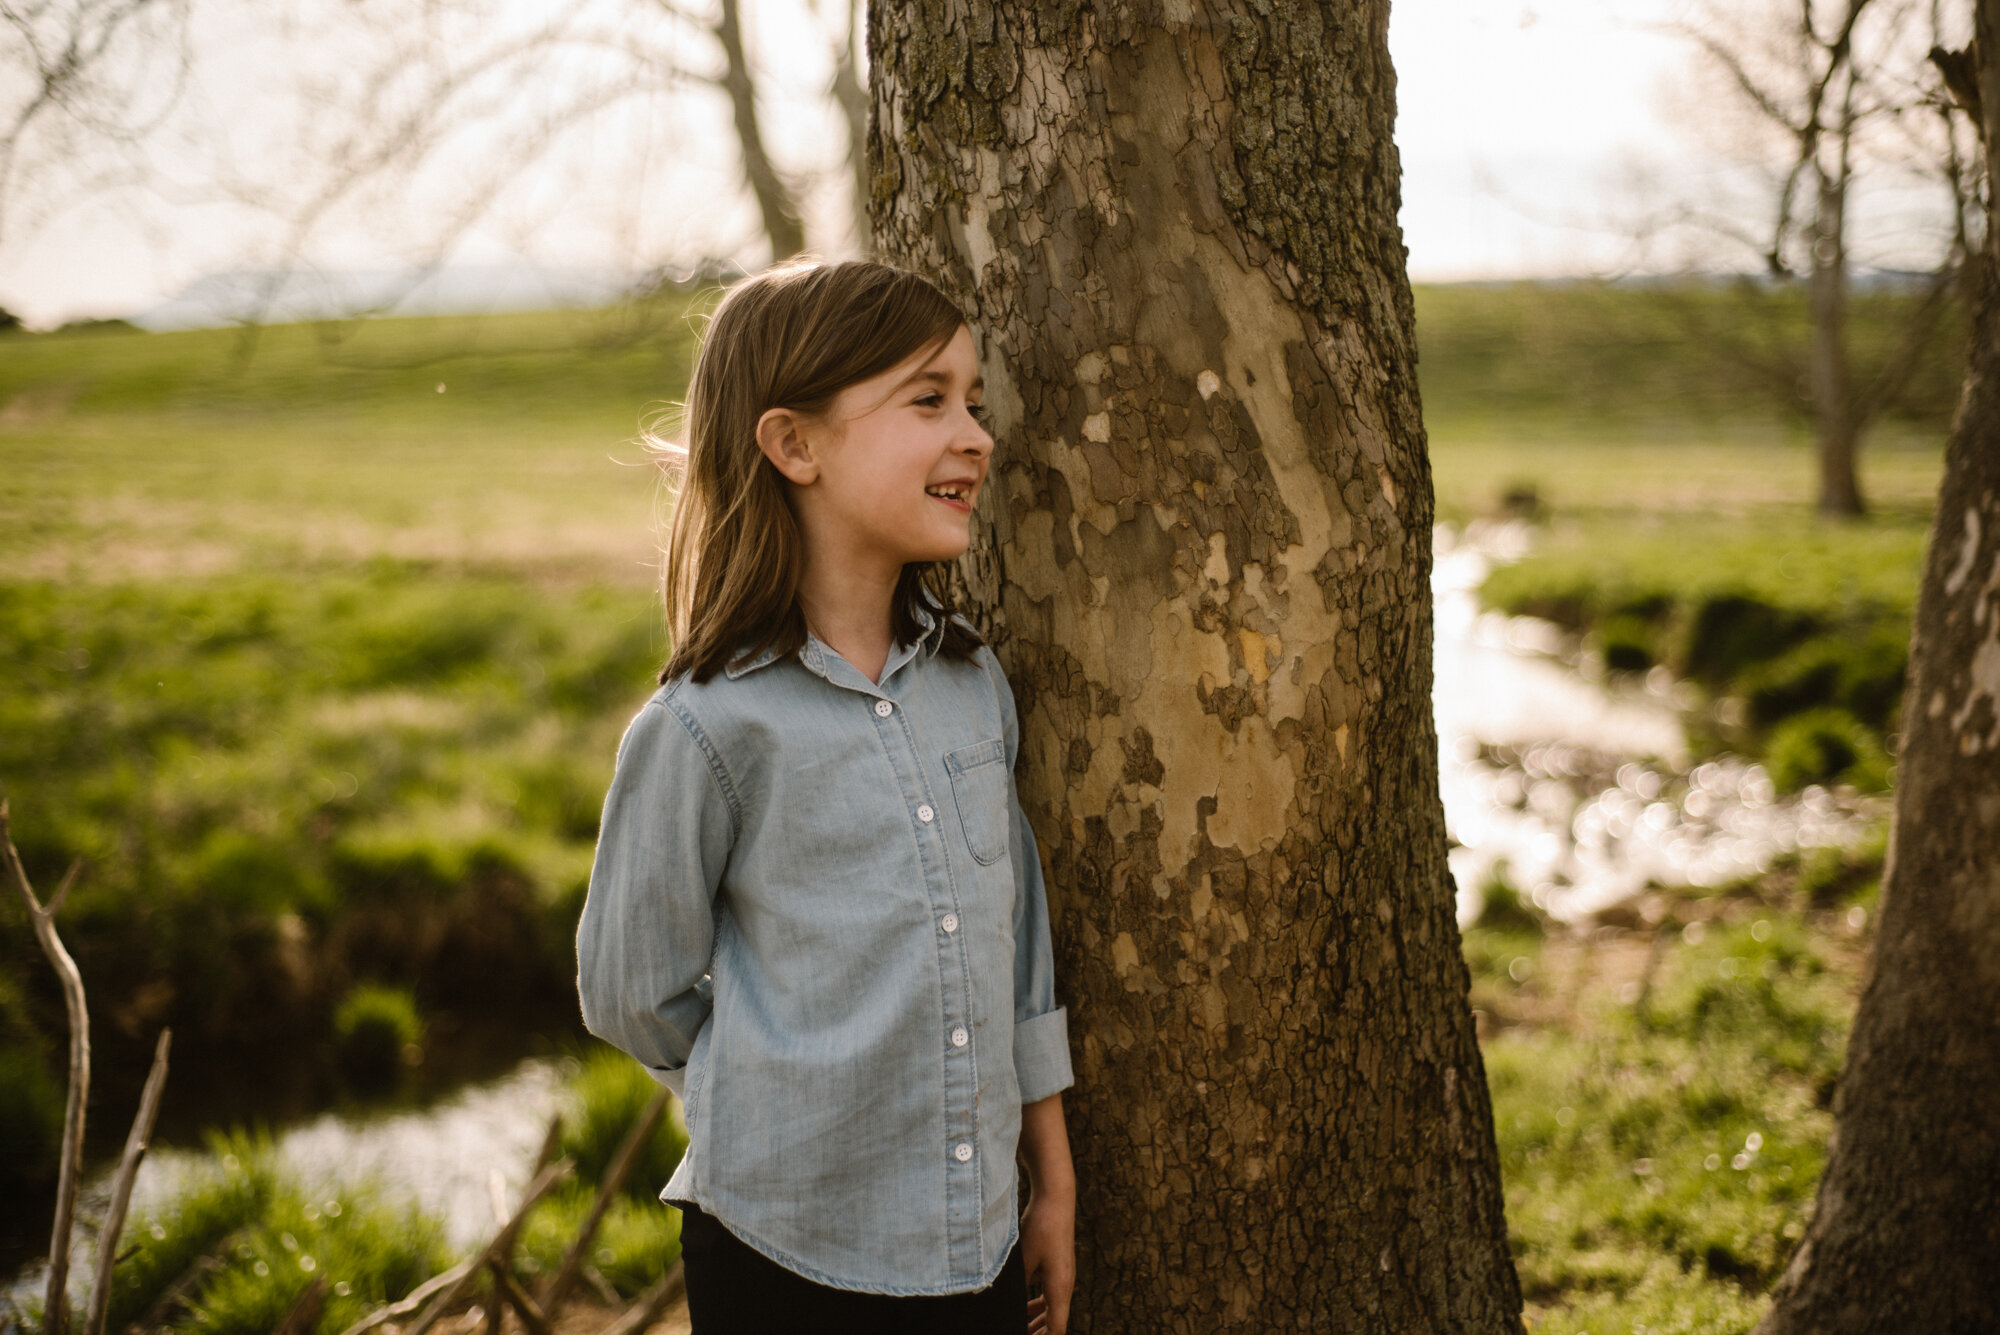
point(318, 671)
point(395, 766)
point(1661, 1142)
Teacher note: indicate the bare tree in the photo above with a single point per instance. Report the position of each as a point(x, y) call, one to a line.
point(1207, 570)
point(1836, 93)
point(417, 126)
point(78, 78)
point(774, 198)
point(1903, 1236)
point(468, 96)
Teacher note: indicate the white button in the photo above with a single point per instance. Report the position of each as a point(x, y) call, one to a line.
point(883, 709)
point(963, 1153)
point(925, 814)
point(959, 1038)
point(949, 922)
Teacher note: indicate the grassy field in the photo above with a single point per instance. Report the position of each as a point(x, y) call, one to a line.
point(318, 659)
point(319, 668)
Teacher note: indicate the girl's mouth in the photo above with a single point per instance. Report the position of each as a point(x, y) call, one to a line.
point(957, 495)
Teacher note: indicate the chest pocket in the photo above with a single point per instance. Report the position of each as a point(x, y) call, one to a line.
point(979, 785)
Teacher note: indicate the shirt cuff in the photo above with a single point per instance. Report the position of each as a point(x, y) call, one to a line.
point(1041, 1055)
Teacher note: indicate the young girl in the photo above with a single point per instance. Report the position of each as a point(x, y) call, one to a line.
point(816, 911)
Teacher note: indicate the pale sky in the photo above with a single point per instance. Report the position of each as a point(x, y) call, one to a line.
point(1515, 116)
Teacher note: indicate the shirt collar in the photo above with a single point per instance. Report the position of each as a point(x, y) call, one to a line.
point(813, 654)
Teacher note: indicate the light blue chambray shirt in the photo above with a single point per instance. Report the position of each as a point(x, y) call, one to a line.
point(817, 913)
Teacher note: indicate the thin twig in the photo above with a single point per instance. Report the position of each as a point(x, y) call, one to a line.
point(303, 1318)
point(175, 1295)
point(502, 1241)
point(136, 1143)
point(621, 1168)
point(650, 1304)
point(412, 1300)
point(605, 1290)
point(517, 1297)
point(56, 1304)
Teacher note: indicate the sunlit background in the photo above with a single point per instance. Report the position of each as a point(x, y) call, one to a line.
point(328, 331)
point(561, 151)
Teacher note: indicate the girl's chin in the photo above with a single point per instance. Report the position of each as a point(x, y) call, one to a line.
point(944, 550)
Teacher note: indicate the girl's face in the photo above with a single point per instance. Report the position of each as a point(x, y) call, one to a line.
point(889, 475)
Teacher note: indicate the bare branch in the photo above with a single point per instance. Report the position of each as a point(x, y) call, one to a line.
point(136, 1144)
point(544, 1182)
point(651, 1303)
point(55, 1320)
point(63, 888)
point(65, 48)
point(621, 1168)
point(1910, 347)
point(412, 1300)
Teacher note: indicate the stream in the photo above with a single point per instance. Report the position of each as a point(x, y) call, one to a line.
point(1576, 790)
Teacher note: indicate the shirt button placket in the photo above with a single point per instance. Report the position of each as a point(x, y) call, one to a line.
point(963, 1194)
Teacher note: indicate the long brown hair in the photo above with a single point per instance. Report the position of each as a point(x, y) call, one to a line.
point(793, 337)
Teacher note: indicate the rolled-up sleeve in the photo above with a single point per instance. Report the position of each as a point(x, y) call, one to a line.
point(1041, 1028)
point(647, 933)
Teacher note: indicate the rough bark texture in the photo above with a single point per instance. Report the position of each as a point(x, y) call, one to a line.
point(1905, 1236)
point(1204, 559)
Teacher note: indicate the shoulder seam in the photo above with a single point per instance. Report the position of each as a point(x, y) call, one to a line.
point(716, 769)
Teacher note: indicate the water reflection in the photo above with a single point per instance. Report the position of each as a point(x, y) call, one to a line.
point(1576, 790)
point(442, 1158)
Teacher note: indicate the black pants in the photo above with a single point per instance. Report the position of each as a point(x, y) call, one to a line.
point(734, 1289)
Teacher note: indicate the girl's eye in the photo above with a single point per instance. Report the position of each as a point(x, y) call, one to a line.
point(978, 410)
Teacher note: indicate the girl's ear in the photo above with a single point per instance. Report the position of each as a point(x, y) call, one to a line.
point(782, 436)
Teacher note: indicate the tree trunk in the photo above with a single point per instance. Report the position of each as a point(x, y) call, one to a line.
point(1905, 1236)
point(1832, 377)
point(1206, 565)
point(774, 200)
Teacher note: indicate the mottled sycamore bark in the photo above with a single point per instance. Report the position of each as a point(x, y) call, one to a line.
point(1204, 558)
point(1906, 1234)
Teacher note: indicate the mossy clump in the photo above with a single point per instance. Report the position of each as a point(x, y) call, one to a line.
point(379, 1032)
point(1824, 746)
point(1628, 643)
point(1502, 906)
